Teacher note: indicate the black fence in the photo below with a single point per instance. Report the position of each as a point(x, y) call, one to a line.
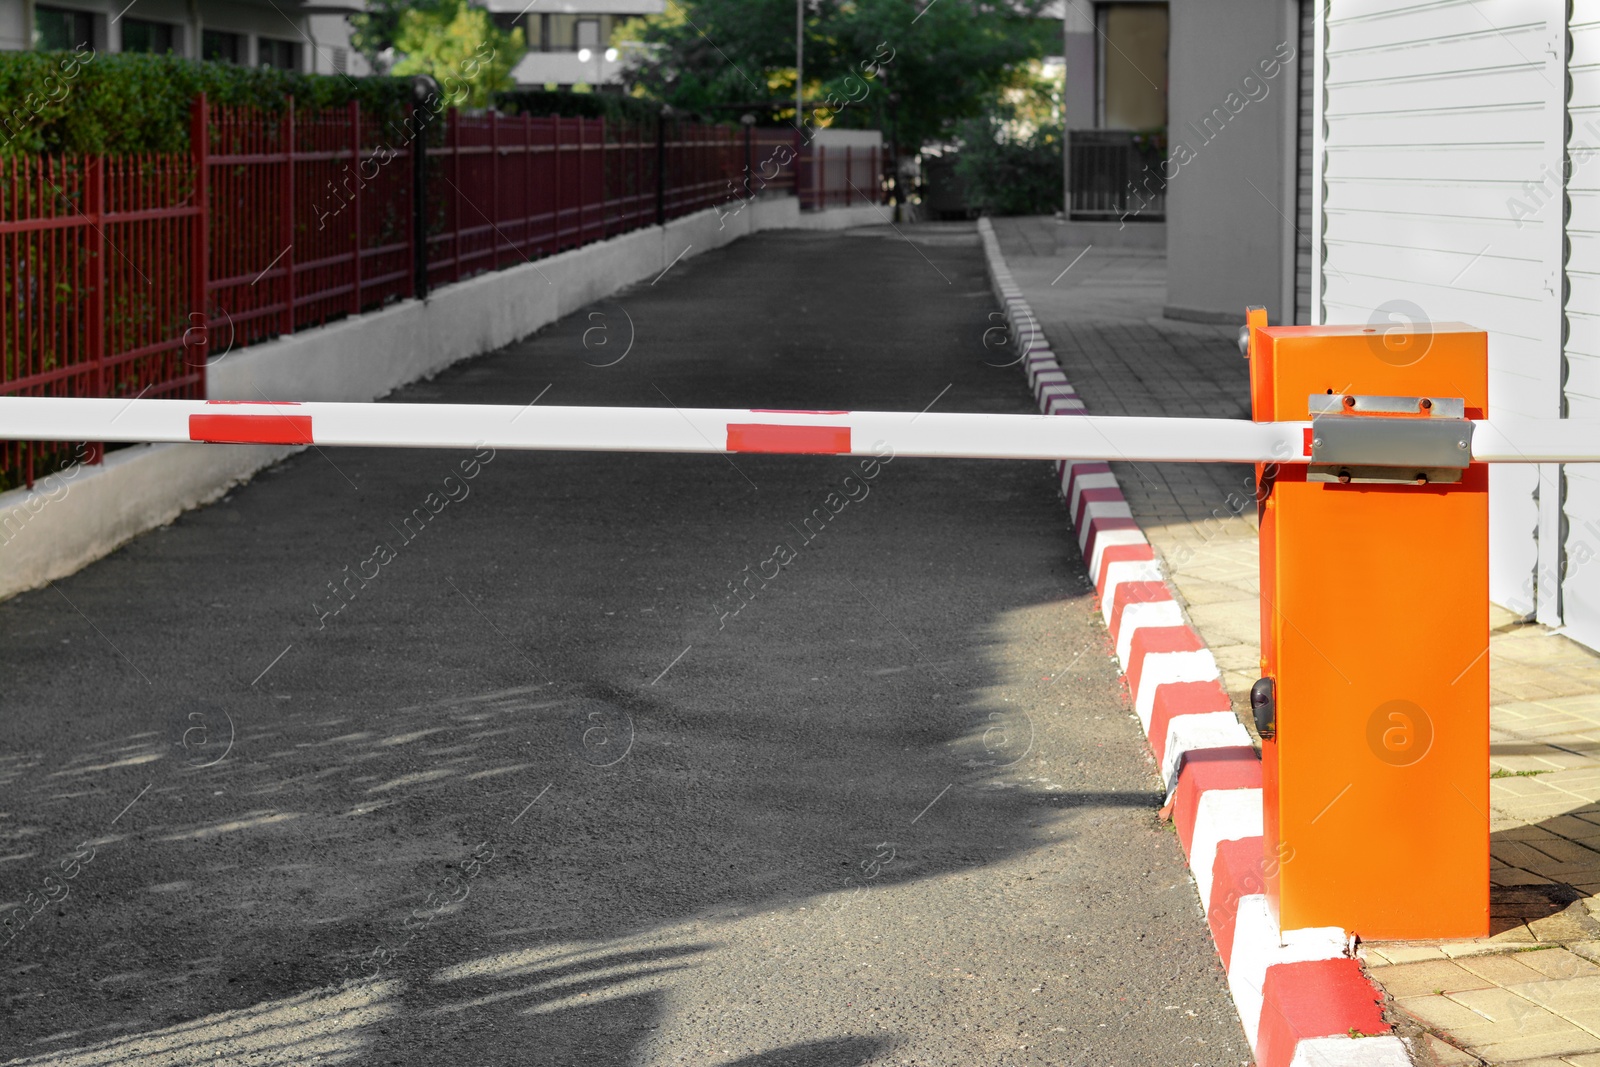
point(1116, 174)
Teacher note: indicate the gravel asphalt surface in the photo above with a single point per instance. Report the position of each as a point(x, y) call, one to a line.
point(540, 787)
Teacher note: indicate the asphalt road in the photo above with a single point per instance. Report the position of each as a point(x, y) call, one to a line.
point(541, 788)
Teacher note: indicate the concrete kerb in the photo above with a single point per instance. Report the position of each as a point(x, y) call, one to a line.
point(83, 513)
point(1302, 1001)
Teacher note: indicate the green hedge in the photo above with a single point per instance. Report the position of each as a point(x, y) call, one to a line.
point(126, 103)
point(56, 102)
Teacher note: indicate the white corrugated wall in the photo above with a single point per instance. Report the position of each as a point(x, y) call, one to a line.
point(1304, 172)
point(1581, 587)
point(1436, 118)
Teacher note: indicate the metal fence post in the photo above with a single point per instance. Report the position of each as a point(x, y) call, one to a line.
point(286, 193)
point(355, 208)
point(661, 169)
point(200, 238)
point(494, 184)
point(419, 202)
point(95, 239)
point(453, 124)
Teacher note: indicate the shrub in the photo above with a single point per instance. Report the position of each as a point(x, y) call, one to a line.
point(1010, 175)
point(61, 102)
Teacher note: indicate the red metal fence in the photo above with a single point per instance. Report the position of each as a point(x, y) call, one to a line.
point(819, 175)
point(120, 276)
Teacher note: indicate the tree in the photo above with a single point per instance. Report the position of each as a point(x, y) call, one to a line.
point(941, 61)
point(461, 48)
point(373, 31)
point(1009, 160)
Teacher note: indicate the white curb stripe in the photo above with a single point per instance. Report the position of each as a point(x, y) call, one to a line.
point(1256, 947)
point(1105, 540)
point(1222, 815)
point(1100, 509)
point(1136, 617)
point(1127, 570)
point(1099, 480)
point(1160, 668)
point(1189, 733)
point(1342, 1050)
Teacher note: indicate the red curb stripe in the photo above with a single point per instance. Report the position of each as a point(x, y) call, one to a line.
point(251, 429)
point(1109, 493)
point(1205, 769)
point(1158, 639)
point(1315, 998)
point(1238, 872)
point(1134, 593)
point(1082, 469)
point(792, 440)
point(1119, 554)
point(1173, 699)
point(1100, 526)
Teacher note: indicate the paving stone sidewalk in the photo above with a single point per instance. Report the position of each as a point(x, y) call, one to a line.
point(1530, 993)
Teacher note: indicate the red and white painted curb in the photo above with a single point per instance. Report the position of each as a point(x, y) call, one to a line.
point(1300, 996)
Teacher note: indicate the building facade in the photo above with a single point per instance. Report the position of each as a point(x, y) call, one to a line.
point(572, 42)
point(1382, 163)
point(311, 36)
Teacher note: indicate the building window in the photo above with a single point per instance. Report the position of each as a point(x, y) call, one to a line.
point(220, 46)
point(141, 36)
point(586, 34)
point(59, 30)
point(341, 60)
point(544, 33)
point(1133, 65)
point(285, 55)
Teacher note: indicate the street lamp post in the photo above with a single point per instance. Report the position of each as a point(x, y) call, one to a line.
point(748, 121)
point(799, 62)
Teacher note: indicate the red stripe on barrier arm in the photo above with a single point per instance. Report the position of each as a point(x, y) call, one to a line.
point(794, 440)
point(1306, 440)
point(251, 429)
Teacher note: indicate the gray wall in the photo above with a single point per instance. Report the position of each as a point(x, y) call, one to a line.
point(1228, 244)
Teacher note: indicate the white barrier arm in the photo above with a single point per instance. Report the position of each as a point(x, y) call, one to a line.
point(668, 429)
point(653, 429)
point(1512, 439)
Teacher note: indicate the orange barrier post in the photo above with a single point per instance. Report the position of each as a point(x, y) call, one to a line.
point(1374, 699)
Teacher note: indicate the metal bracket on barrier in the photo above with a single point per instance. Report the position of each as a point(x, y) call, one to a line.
point(1415, 440)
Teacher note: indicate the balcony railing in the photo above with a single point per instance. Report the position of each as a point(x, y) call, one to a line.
point(1116, 174)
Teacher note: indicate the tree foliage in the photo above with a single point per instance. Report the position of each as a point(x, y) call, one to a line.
point(373, 32)
point(461, 48)
point(915, 69)
point(1009, 159)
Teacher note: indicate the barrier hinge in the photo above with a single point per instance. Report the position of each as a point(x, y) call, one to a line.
point(1414, 440)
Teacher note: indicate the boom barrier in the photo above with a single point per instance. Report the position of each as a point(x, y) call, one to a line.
point(1373, 501)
